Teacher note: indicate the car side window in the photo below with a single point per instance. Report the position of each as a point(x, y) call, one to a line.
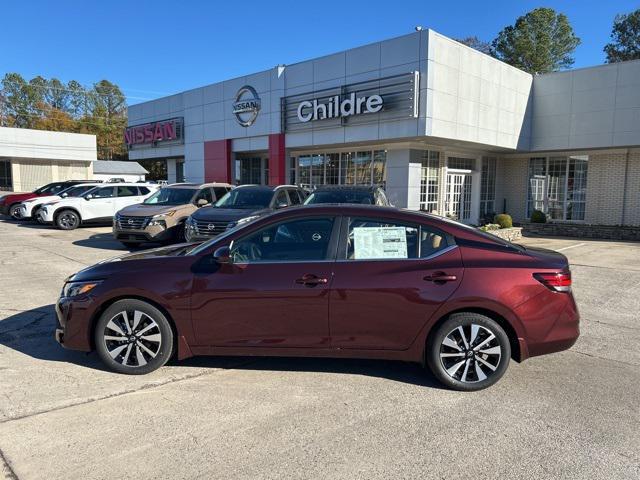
point(290, 241)
point(106, 192)
point(432, 241)
point(204, 194)
point(281, 198)
point(220, 192)
point(127, 191)
point(294, 197)
point(143, 190)
point(377, 239)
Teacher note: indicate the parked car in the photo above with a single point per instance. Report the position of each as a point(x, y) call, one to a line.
point(240, 205)
point(29, 208)
point(161, 217)
point(10, 204)
point(98, 205)
point(333, 281)
point(355, 194)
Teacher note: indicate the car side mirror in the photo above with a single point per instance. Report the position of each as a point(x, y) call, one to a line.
point(88, 197)
point(64, 195)
point(281, 205)
point(222, 255)
point(201, 202)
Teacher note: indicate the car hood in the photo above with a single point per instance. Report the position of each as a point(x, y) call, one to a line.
point(63, 202)
point(18, 197)
point(48, 198)
point(217, 214)
point(115, 264)
point(142, 210)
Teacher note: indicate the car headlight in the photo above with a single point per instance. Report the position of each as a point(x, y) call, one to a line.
point(241, 221)
point(73, 289)
point(160, 220)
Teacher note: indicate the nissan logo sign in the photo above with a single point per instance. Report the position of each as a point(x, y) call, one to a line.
point(247, 106)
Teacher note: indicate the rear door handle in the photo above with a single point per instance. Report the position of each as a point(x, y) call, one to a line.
point(440, 277)
point(311, 280)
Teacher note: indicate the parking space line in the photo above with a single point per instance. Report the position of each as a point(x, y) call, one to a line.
point(570, 246)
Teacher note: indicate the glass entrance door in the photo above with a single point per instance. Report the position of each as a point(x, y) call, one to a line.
point(458, 196)
point(251, 171)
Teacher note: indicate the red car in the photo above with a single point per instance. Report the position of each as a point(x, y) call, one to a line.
point(10, 204)
point(333, 281)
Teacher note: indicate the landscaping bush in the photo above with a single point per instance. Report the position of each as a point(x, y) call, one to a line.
point(538, 217)
point(489, 226)
point(504, 220)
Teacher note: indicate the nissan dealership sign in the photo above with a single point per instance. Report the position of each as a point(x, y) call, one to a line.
point(163, 131)
point(352, 105)
point(384, 99)
point(247, 106)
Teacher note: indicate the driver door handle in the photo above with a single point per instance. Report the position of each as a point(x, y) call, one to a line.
point(311, 280)
point(440, 277)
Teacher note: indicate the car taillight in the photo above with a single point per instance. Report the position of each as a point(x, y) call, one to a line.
point(558, 281)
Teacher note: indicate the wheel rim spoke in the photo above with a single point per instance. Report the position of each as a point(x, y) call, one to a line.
point(452, 371)
point(125, 360)
point(486, 364)
point(474, 333)
point(464, 338)
point(466, 371)
point(144, 347)
point(117, 351)
point(114, 338)
point(137, 316)
point(140, 357)
point(480, 373)
point(156, 337)
point(125, 318)
point(456, 354)
point(113, 326)
point(451, 344)
point(491, 351)
point(147, 328)
point(485, 341)
point(466, 362)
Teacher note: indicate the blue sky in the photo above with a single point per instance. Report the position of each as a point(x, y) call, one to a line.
point(154, 48)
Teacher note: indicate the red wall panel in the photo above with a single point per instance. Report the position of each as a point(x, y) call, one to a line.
point(217, 161)
point(277, 159)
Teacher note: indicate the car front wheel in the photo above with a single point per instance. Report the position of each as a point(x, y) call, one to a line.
point(468, 352)
point(14, 212)
point(133, 337)
point(68, 220)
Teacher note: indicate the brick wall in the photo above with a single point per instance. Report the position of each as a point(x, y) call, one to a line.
point(514, 187)
point(632, 198)
point(605, 188)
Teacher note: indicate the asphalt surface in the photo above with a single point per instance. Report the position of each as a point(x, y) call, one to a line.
point(574, 414)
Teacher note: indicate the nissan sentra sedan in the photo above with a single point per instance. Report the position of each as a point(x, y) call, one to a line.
point(329, 280)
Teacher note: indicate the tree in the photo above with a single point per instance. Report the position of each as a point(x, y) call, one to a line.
point(477, 44)
point(541, 41)
point(626, 38)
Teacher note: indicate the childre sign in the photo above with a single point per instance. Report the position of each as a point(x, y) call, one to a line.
point(309, 110)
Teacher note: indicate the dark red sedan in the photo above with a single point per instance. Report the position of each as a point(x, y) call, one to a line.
point(334, 281)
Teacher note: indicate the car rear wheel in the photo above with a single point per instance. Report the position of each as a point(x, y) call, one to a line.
point(133, 337)
point(68, 220)
point(14, 211)
point(468, 352)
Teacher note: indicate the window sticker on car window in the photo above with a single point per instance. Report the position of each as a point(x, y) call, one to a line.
point(379, 242)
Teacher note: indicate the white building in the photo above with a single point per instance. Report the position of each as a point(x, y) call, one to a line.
point(112, 169)
point(444, 127)
point(32, 158)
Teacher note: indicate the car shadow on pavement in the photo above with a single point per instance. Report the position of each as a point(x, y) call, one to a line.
point(104, 241)
point(30, 332)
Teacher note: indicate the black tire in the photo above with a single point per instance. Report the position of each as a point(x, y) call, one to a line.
point(67, 220)
point(133, 354)
point(180, 234)
point(14, 211)
point(454, 358)
point(34, 214)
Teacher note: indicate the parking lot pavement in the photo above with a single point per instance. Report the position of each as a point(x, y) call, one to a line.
point(571, 415)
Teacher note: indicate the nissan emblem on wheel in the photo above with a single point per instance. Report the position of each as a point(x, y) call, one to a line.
point(247, 106)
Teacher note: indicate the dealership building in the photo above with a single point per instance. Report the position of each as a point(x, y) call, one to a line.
point(443, 127)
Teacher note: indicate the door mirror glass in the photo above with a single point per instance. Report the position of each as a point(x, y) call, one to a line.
point(88, 197)
point(222, 255)
point(64, 195)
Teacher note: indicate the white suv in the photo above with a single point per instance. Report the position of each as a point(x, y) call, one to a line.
point(29, 208)
point(98, 205)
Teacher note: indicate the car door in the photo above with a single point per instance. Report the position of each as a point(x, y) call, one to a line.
point(101, 205)
point(389, 279)
point(274, 293)
point(127, 195)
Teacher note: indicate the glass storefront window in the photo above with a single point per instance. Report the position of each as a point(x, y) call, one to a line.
point(250, 171)
point(348, 168)
point(379, 164)
point(488, 186)
point(363, 168)
point(332, 172)
point(430, 181)
point(558, 186)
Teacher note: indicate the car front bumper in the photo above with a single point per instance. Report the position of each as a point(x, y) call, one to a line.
point(73, 322)
point(151, 233)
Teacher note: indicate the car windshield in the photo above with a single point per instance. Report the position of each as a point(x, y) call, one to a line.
point(76, 191)
point(49, 188)
point(170, 196)
point(89, 192)
point(246, 198)
point(340, 196)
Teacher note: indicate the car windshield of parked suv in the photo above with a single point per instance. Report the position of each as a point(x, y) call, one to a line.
point(76, 191)
point(246, 198)
point(170, 196)
point(340, 196)
point(51, 189)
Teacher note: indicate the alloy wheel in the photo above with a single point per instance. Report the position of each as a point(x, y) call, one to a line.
point(132, 338)
point(470, 353)
point(68, 220)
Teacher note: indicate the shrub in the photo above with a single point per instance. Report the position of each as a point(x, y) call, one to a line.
point(490, 226)
point(538, 216)
point(504, 220)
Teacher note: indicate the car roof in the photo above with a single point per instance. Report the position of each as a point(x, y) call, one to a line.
point(196, 186)
point(270, 188)
point(353, 188)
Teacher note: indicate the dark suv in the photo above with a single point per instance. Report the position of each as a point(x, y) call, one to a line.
point(353, 194)
point(240, 205)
